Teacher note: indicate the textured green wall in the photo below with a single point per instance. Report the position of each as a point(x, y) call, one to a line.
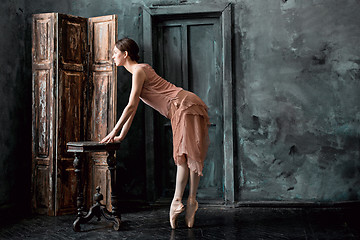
point(296, 91)
point(297, 100)
point(15, 108)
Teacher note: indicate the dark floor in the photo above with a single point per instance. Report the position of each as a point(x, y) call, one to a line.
point(211, 223)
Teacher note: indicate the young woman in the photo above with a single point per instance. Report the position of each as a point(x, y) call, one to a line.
point(189, 122)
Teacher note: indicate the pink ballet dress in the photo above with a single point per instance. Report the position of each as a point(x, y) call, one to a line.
point(188, 115)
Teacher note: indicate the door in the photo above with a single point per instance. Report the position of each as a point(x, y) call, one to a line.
point(72, 76)
point(101, 99)
point(187, 54)
point(43, 112)
point(190, 45)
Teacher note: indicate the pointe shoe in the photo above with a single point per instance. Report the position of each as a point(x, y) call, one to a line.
point(175, 210)
point(191, 207)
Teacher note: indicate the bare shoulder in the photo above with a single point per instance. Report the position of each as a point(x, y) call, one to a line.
point(139, 69)
point(139, 72)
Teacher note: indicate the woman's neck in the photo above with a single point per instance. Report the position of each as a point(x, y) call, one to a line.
point(129, 65)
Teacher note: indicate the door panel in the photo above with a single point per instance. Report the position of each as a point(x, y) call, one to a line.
point(43, 113)
point(187, 54)
point(102, 98)
point(171, 52)
point(71, 99)
point(169, 65)
point(71, 127)
point(205, 81)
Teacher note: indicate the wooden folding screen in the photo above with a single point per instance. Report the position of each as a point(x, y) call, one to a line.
point(74, 99)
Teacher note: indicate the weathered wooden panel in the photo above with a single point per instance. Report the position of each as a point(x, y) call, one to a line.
point(43, 110)
point(42, 189)
point(102, 97)
point(71, 101)
point(68, 185)
point(72, 42)
point(42, 40)
point(71, 104)
point(41, 91)
point(101, 44)
point(102, 31)
point(100, 104)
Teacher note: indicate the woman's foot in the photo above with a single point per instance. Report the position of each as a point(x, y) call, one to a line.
point(191, 207)
point(175, 209)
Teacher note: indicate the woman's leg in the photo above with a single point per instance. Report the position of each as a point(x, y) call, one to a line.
point(192, 204)
point(182, 176)
point(194, 184)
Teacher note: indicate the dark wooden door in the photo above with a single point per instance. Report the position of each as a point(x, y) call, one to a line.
point(72, 71)
point(188, 54)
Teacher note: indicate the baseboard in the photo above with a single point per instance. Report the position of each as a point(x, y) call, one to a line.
point(298, 204)
point(271, 204)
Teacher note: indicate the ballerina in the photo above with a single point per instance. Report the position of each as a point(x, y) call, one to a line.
point(189, 123)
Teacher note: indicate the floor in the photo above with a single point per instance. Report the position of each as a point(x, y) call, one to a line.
point(212, 222)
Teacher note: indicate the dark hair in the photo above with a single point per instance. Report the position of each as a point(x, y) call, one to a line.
point(129, 45)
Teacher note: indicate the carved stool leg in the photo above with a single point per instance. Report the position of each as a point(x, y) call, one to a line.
point(111, 161)
point(95, 210)
point(80, 196)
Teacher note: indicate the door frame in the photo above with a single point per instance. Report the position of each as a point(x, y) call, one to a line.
point(223, 12)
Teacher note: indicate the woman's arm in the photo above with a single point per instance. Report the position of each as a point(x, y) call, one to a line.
point(138, 79)
point(125, 129)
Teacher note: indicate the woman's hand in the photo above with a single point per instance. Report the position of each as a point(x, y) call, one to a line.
point(117, 139)
point(130, 109)
point(109, 138)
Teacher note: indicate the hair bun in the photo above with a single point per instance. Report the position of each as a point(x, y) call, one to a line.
point(129, 45)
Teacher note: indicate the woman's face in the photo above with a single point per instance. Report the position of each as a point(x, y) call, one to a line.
point(118, 57)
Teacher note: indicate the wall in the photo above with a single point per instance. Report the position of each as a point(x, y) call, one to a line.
point(15, 107)
point(296, 88)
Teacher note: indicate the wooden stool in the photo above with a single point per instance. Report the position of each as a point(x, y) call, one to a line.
point(97, 209)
